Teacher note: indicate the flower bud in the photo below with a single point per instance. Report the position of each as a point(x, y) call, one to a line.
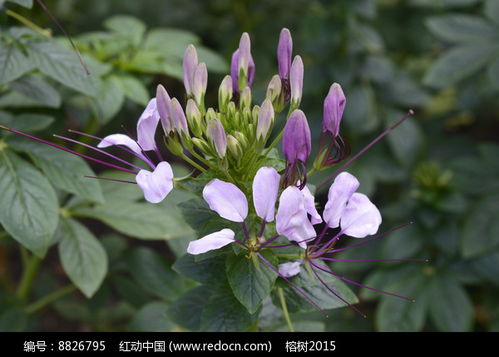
point(189, 67)
point(179, 122)
point(296, 141)
point(224, 93)
point(242, 139)
point(284, 53)
point(173, 144)
point(242, 68)
point(210, 114)
point(334, 105)
point(274, 88)
point(296, 81)
point(245, 100)
point(199, 83)
point(234, 147)
point(231, 110)
point(201, 144)
point(194, 118)
point(216, 134)
point(265, 120)
point(163, 105)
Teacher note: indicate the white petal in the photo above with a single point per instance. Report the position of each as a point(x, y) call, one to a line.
point(211, 242)
point(265, 190)
point(361, 217)
point(156, 185)
point(310, 206)
point(340, 192)
point(226, 199)
point(120, 139)
point(290, 269)
point(146, 127)
point(291, 219)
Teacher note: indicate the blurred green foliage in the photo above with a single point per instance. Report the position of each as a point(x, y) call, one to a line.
point(439, 169)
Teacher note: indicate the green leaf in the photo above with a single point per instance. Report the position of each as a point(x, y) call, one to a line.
point(133, 89)
point(13, 320)
point(37, 88)
point(480, 233)
point(26, 122)
point(487, 266)
point(187, 309)
point(110, 100)
point(82, 256)
point(26, 3)
point(214, 62)
point(128, 26)
point(62, 65)
point(491, 10)
point(151, 271)
point(462, 28)
point(207, 271)
point(314, 289)
point(224, 313)
point(152, 318)
point(362, 117)
point(406, 141)
point(251, 280)
point(63, 170)
point(170, 42)
point(138, 220)
point(493, 71)
point(29, 210)
point(119, 191)
point(444, 3)
point(396, 314)
point(131, 292)
point(458, 63)
point(450, 308)
point(13, 62)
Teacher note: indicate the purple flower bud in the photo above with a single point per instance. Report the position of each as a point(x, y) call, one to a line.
point(225, 92)
point(296, 80)
point(194, 117)
point(296, 141)
point(265, 119)
point(179, 122)
point(216, 133)
point(189, 66)
point(200, 82)
point(163, 105)
point(284, 53)
point(334, 105)
point(242, 67)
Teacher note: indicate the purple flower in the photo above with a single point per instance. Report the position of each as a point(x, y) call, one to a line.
point(156, 185)
point(216, 133)
point(242, 67)
point(265, 120)
point(189, 65)
point(296, 81)
point(179, 122)
point(163, 106)
point(334, 105)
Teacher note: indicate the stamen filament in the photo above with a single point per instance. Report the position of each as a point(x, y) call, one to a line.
point(110, 179)
point(374, 260)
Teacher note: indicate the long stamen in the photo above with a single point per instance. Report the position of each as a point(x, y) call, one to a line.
point(381, 235)
point(359, 284)
point(270, 240)
point(374, 260)
point(321, 235)
point(98, 150)
point(245, 230)
point(68, 150)
point(294, 244)
point(139, 156)
point(297, 289)
point(336, 294)
point(367, 147)
point(262, 228)
point(110, 179)
point(327, 245)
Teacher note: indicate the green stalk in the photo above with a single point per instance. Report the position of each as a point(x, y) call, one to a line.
point(193, 163)
point(285, 309)
point(29, 273)
point(28, 23)
point(50, 298)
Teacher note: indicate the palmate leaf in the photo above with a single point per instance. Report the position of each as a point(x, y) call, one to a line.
point(462, 28)
point(37, 88)
point(29, 210)
point(13, 62)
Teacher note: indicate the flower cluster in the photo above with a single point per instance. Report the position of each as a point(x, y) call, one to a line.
point(231, 141)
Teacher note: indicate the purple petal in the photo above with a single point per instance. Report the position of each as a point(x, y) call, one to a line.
point(244, 52)
point(146, 127)
point(178, 117)
point(200, 81)
point(296, 140)
point(296, 79)
point(291, 220)
point(334, 105)
point(226, 199)
point(284, 53)
point(361, 217)
point(216, 133)
point(212, 241)
point(234, 71)
point(290, 269)
point(156, 185)
point(120, 139)
point(310, 205)
point(340, 192)
point(265, 190)
point(189, 66)
point(265, 119)
point(163, 101)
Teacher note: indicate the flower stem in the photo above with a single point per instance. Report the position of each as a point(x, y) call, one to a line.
point(274, 143)
point(192, 162)
point(285, 311)
point(50, 298)
point(30, 269)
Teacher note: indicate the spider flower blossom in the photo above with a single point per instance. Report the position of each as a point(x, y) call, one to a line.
point(156, 181)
